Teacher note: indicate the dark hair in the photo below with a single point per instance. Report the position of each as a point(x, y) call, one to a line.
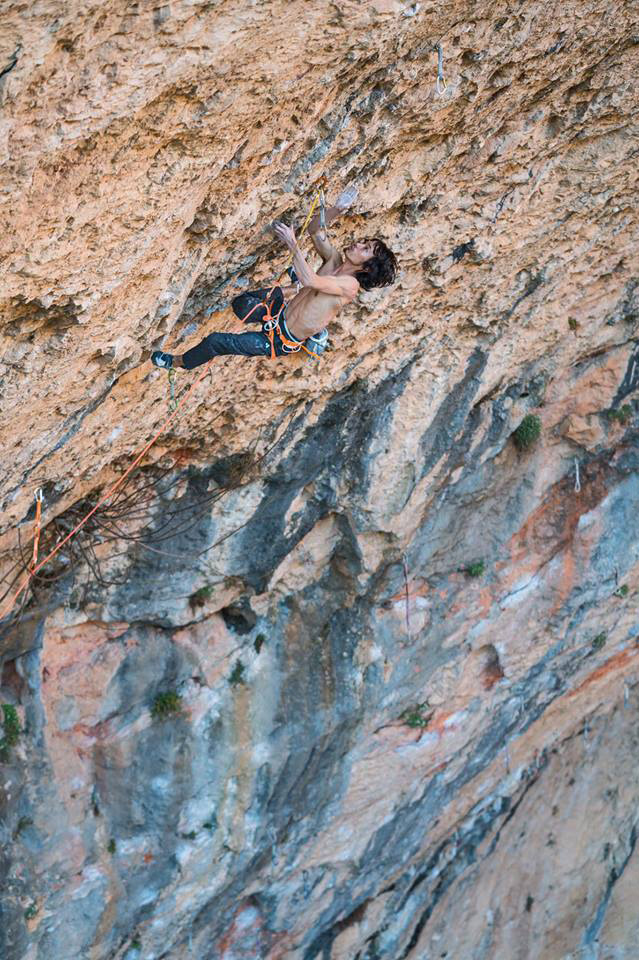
point(380, 269)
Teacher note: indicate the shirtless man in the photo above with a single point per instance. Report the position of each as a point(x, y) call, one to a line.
point(317, 297)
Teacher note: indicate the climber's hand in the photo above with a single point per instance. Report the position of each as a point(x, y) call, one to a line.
point(285, 234)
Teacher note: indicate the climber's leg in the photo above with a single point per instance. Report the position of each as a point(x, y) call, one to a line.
point(223, 345)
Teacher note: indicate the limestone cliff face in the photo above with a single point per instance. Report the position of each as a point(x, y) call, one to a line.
point(405, 647)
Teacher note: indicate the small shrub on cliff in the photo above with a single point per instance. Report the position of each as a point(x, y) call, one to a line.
point(166, 704)
point(622, 591)
point(259, 642)
point(528, 432)
point(573, 324)
point(111, 847)
point(31, 912)
point(622, 415)
point(475, 569)
point(237, 674)
point(599, 641)
point(417, 717)
point(12, 731)
point(199, 598)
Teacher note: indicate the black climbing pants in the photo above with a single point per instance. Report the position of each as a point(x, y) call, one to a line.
point(243, 344)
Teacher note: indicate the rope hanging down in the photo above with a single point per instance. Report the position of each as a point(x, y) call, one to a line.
point(6, 610)
point(39, 497)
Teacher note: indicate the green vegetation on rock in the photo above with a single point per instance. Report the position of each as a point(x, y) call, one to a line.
point(475, 569)
point(416, 716)
point(237, 674)
point(528, 432)
point(166, 704)
point(622, 415)
point(12, 731)
point(599, 641)
point(199, 598)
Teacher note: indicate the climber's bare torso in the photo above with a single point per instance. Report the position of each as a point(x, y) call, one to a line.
point(311, 310)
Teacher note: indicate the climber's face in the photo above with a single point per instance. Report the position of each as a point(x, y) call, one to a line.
point(361, 251)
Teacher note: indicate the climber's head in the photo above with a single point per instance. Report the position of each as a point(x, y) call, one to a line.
point(378, 263)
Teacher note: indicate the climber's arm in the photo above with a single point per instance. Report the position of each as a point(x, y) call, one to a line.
point(318, 236)
point(346, 287)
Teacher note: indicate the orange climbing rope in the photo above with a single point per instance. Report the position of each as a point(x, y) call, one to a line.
point(36, 530)
point(33, 569)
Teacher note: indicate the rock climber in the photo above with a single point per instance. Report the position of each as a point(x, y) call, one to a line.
point(316, 296)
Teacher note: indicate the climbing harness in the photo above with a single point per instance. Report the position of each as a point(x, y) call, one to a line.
point(172, 400)
point(39, 497)
point(577, 481)
point(441, 83)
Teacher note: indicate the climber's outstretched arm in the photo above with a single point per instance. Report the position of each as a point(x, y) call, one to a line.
point(344, 286)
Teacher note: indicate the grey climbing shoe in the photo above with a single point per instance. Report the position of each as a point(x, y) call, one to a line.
point(164, 360)
point(317, 344)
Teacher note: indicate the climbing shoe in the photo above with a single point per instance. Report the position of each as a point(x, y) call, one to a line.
point(318, 343)
point(164, 360)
